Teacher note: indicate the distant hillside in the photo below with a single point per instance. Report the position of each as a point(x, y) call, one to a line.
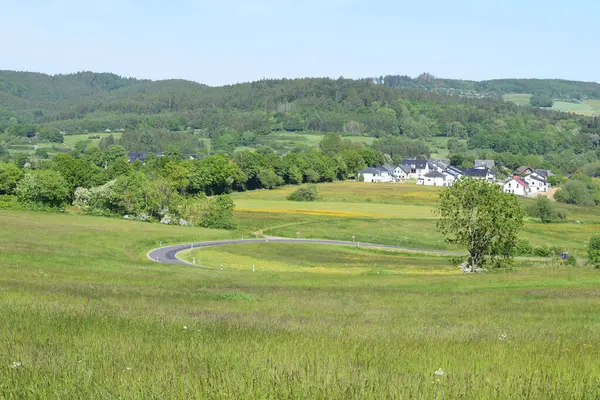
point(460, 117)
point(556, 88)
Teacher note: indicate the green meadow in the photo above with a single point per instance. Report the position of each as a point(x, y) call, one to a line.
point(90, 138)
point(393, 214)
point(85, 314)
point(585, 107)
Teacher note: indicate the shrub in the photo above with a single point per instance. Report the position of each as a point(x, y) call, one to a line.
point(305, 193)
point(10, 175)
point(219, 213)
point(575, 192)
point(543, 251)
point(544, 209)
point(571, 260)
point(523, 248)
point(46, 187)
point(594, 251)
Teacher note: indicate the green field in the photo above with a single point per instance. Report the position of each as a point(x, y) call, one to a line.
point(86, 315)
point(71, 140)
point(394, 214)
point(586, 107)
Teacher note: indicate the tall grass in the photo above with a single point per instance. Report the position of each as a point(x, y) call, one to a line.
point(83, 314)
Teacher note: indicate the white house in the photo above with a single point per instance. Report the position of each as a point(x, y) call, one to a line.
point(417, 167)
point(517, 186)
point(402, 172)
point(433, 178)
point(537, 183)
point(377, 174)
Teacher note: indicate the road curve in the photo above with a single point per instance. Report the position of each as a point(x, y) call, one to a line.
point(168, 254)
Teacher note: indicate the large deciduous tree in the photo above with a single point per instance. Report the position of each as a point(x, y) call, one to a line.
point(479, 217)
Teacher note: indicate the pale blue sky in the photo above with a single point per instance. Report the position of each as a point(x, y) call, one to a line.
point(228, 41)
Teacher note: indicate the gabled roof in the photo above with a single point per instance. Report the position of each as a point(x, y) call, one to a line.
point(386, 168)
point(419, 164)
point(544, 172)
point(523, 169)
point(519, 181)
point(439, 162)
point(484, 164)
point(434, 174)
point(454, 171)
point(537, 177)
point(405, 168)
point(369, 171)
point(476, 172)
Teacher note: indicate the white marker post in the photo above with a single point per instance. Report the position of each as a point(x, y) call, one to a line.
point(194, 260)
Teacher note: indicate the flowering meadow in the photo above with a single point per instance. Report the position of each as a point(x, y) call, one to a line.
point(84, 313)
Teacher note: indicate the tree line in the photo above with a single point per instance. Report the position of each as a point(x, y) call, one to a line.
point(172, 188)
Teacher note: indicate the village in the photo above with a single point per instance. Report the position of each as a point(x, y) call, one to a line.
point(524, 181)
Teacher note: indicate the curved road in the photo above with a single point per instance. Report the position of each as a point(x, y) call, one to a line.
point(168, 254)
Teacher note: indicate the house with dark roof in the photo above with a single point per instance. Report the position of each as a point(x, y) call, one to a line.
point(537, 182)
point(480, 164)
point(417, 167)
point(516, 185)
point(434, 178)
point(479, 173)
point(546, 173)
point(403, 172)
point(524, 170)
point(475, 173)
point(377, 174)
point(136, 156)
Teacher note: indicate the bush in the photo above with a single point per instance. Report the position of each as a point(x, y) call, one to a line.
point(571, 260)
point(305, 193)
point(594, 251)
point(214, 212)
point(575, 192)
point(544, 209)
point(523, 248)
point(219, 213)
point(46, 187)
point(543, 251)
point(10, 175)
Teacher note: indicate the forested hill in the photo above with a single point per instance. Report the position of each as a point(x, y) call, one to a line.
point(555, 88)
point(318, 104)
point(155, 114)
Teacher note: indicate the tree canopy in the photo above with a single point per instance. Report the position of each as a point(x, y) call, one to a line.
point(480, 218)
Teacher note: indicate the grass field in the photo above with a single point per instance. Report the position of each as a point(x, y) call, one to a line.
point(586, 107)
point(71, 140)
point(86, 315)
point(395, 214)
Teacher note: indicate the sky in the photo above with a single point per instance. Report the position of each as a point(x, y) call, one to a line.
point(227, 41)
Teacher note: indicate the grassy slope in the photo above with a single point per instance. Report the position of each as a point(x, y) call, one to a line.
point(89, 317)
point(398, 214)
point(71, 140)
point(586, 107)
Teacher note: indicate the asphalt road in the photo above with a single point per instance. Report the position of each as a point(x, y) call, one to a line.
point(168, 254)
